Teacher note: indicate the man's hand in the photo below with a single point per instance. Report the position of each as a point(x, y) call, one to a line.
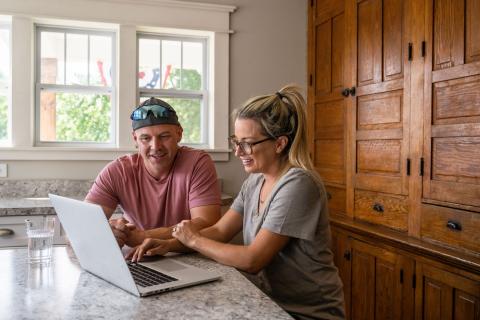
point(135, 236)
point(149, 247)
point(120, 230)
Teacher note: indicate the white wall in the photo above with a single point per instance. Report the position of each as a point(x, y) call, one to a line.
point(267, 51)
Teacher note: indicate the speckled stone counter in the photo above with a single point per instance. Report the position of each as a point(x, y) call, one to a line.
point(64, 291)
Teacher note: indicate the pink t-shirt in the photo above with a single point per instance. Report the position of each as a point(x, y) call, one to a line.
point(150, 203)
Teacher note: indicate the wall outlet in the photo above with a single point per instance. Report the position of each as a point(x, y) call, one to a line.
point(3, 170)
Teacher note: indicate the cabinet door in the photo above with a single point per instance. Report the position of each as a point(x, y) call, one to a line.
point(382, 95)
point(326, 108)
point(442, 295)
point(381, 283)
point(341, 248)
point(452, 104)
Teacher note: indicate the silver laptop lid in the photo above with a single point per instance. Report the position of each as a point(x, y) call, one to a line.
point(93, 242)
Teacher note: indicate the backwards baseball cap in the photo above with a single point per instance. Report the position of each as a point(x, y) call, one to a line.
point(152, 112)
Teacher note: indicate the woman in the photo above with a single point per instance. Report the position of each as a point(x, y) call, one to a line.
point(281, 208)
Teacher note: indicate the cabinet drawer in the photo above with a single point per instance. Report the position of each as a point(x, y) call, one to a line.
point(455, 228)
point(336, 199)
point(15, 226)
point(387, 210)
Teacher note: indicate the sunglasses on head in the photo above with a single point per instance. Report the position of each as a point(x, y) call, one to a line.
point(141, 113)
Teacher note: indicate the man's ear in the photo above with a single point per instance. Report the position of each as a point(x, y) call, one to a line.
point(135, 138)
point(180, 134)
point(282, 142)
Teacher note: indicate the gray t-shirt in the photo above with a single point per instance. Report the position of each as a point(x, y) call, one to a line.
point(301, 277)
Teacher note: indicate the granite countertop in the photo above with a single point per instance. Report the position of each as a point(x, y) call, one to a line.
point(42, 206)
point(65, 291)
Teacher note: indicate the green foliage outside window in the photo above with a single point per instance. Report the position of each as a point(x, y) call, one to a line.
point(3, 117)
point(82, 117)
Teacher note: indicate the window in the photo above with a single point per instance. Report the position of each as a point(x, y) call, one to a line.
point(174, 69)
point(4, 82)
point(75, 77)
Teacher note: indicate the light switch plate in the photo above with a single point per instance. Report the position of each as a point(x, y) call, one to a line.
point(3, 170)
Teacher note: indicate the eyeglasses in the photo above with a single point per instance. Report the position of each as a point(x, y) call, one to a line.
point(246, 147)
point(141, 113)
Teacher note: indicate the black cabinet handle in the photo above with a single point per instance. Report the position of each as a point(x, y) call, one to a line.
point(453, 225)
point(378, 207)
point(6, 232)
point(347, 255)
point(349, 92)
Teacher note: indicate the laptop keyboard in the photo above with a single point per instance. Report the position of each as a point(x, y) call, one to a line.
point(147, 277)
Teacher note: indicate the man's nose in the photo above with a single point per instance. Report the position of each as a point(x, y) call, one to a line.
point(156, 143)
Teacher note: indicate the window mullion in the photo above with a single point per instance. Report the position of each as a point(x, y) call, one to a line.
point(64, 58)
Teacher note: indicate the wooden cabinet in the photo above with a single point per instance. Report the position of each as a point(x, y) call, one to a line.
point(445, 295)
point(384, 282)
point(394, 131)
point(394, 99)
point(377, 281)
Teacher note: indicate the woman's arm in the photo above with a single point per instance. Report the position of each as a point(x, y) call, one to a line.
point(251, 258)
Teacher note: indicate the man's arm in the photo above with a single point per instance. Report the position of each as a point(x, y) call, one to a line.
point(202, 217)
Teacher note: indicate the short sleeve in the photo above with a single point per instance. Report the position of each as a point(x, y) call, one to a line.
point(103, 190)
point(204, 185)
point(296, 207)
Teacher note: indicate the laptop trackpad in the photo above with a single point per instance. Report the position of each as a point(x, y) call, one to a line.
point(168, 265)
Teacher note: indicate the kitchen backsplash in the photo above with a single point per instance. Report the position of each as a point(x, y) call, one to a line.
point(41, 188)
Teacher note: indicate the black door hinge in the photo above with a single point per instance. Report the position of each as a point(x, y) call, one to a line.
point(422, 162)
point(408, 166)
point(410, 51)
point(401, 275)
point(311, 3)
point(424, 48)
point(414, 281)
point(311, 79)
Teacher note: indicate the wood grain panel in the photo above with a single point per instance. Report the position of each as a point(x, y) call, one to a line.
point(328, 8)
point(380, 156)
point(338, 34)
point(341, 246)
point(432, 299)
point(395, 209)
point(456, 159)
point(448, 33)
point(392, 39)
point(330, 120)
point(363, 285)
point(323, 54)
point(336, 199)
point(329, 153)
point(467, 306)
point(332, 175)
point(385, 285)
point(434, 220)
point(380, 183)
point(472, 27)
point(456, 100)
point(369, 42)
point(380, 111)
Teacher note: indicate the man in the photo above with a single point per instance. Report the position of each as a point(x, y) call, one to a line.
point(160, 185)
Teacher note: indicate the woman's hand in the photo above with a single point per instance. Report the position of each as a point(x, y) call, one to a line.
point(149, 247)
point(186, 233)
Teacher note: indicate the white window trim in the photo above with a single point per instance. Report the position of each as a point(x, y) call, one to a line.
point(39, 87)
point(130, 16)
point(5, 25)
point(173, 93)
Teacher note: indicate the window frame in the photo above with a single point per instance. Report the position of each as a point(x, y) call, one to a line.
point(64, 88)
point(7, 91)
point(201, 94)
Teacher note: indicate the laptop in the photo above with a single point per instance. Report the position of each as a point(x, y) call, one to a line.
point(98, 252)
